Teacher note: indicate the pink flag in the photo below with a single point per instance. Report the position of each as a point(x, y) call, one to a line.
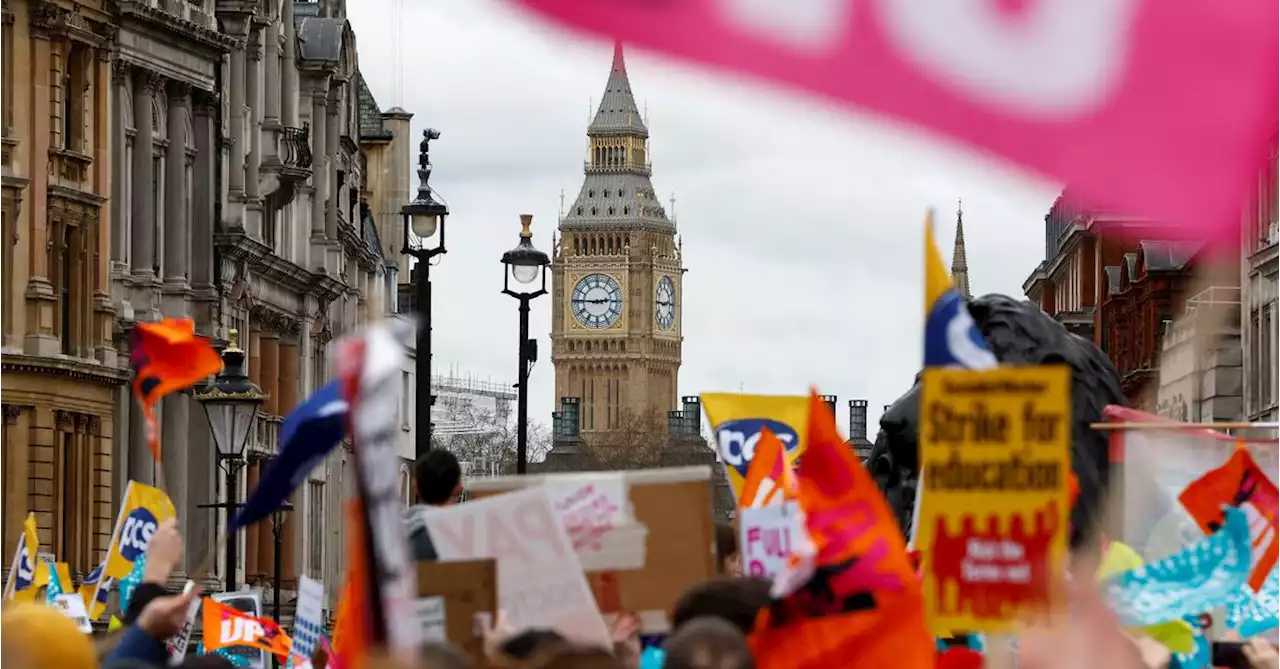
point(1158, 108)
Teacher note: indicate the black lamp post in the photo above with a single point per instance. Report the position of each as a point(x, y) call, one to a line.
point(231, 404)
point(525, 265)
point(277, 535)
point(422, 219)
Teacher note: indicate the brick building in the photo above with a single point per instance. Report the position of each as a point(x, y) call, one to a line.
point(1118, 281)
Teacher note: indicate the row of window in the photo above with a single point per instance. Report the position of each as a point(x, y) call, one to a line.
point(1262, 358)
point(72, 503)
point(607, 406)
point(600, 244)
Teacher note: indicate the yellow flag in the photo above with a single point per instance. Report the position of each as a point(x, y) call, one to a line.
point(141, 512)
point(115, 624)
point(21, 585)
point(736, 421)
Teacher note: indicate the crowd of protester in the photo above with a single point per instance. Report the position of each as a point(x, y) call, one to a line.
point(711, 623)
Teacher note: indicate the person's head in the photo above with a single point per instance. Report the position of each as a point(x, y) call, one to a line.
point(438, 655)
point(729, 562)
point(526, 644)
point(708, 643)
point(736, 599)
point(438, 478)
point(38, 635)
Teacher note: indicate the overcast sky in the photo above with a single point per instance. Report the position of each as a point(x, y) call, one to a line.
point(801, 222)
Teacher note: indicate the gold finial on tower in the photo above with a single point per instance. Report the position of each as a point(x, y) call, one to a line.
point(526, 220)
point(561, 217)
point(233, 340)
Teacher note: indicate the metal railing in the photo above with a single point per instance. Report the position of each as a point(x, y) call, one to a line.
point(295, 147)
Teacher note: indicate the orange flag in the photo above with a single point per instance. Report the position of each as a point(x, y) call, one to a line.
point(228, 626)
point(167, 357)
point(769, 473)
point(861, 604)
point(351, 634)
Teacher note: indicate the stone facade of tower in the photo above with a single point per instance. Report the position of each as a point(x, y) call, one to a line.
point(616, 281)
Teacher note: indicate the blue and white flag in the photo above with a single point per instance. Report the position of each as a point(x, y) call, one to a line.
point(308, 435)
point(1252, 613)
point(54, 589)
point(130, 583)
point(1201, 577)
point(951, 338)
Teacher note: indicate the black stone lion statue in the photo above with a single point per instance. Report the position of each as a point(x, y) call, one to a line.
point(1017, 332)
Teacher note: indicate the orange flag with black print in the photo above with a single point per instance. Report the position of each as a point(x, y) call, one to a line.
point(849, 597)
point(166, 357)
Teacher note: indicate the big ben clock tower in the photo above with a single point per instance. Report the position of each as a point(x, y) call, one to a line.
point(616, 279)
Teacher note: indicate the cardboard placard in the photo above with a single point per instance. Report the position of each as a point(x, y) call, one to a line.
point(995, 457)
point(540, 579)
point(468, 588)
point(674, 505)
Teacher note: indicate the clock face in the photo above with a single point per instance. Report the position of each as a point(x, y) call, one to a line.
point(597, 301)
point(664, 297)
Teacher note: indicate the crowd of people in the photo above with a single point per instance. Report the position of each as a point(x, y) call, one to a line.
point(711, 623)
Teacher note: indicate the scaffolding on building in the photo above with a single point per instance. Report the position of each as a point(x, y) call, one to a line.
point(469, 405)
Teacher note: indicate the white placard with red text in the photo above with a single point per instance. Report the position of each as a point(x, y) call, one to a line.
point(598, 516)
point(767, 535)
point(540, 578)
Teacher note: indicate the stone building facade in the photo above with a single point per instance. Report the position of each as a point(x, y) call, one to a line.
point(164, 129)
point(60, 369)
point(1200, 359)
point(1260, 306)
point(252, 214)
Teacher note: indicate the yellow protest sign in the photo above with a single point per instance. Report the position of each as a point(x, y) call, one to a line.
point(995, 460)
point(736, 421)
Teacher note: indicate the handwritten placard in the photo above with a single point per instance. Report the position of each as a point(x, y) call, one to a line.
point(540, 578)
point(431, 618)
point(766, 537)
point(598, 517)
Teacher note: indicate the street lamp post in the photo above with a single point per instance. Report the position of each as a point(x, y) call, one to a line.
point(422, 219)
point(277, 535)
point(231, 405)
point(525, 264)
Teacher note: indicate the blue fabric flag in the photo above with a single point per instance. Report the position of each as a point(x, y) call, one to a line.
point(130, 582)
point(307, 436)
point(1201, 577)
point(1203, 653)
point(1252, 613)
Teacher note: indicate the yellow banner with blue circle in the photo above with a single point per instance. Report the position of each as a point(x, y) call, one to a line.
point(736, 421)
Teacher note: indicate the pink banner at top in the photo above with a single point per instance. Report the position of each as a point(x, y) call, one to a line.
point(1159, 108)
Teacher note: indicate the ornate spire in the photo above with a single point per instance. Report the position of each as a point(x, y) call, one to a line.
point(959, 265)
point(616, 190)
point(618, 112)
